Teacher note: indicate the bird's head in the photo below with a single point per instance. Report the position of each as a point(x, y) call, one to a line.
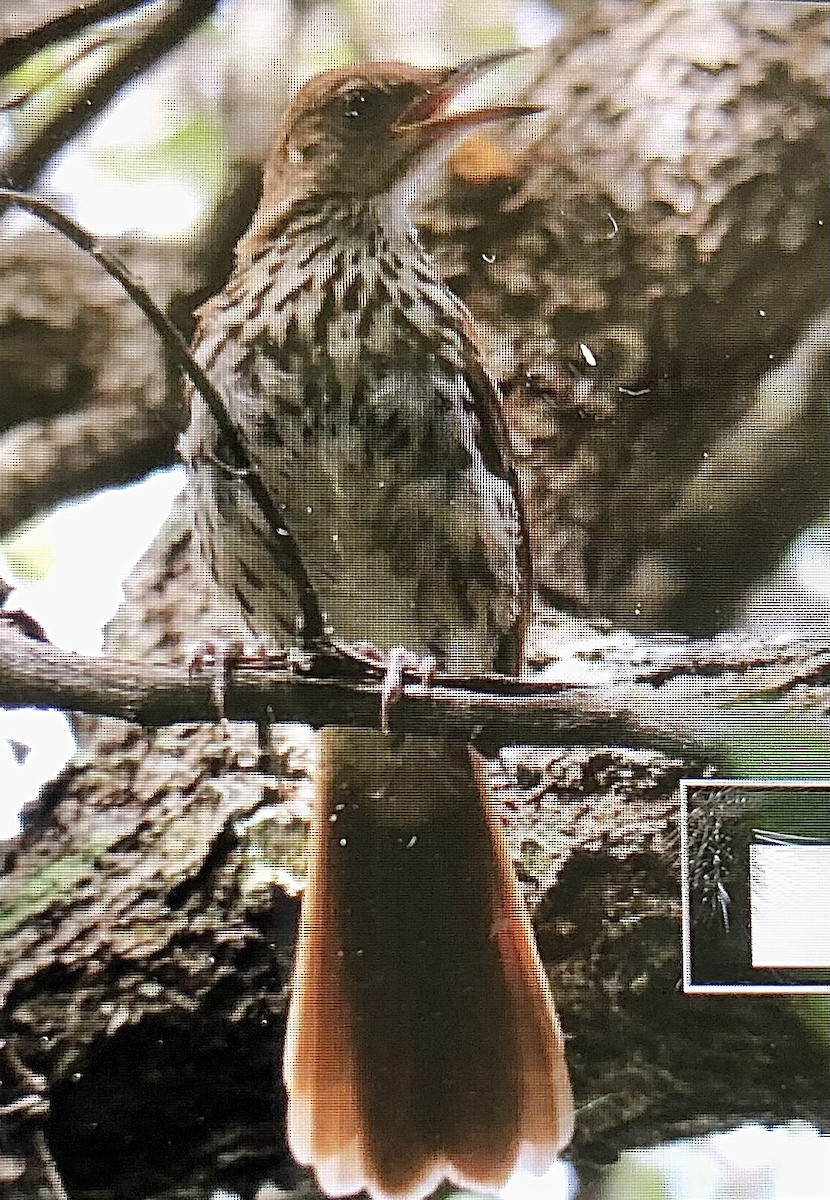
point(358, 130)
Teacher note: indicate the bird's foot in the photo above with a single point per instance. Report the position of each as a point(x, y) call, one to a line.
point(219, 656)
point(400, 663)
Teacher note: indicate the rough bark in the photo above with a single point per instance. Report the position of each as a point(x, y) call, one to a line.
point(643, 264)
point(86, 397)
point(84, 390)
point(148, 908)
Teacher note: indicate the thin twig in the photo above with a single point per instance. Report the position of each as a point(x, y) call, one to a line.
point(51, 1174)
point(179, 351)
point(32, 1107)
point(23, 166)
point(16, 49)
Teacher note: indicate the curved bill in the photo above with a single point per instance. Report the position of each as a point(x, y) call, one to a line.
point(428, 111)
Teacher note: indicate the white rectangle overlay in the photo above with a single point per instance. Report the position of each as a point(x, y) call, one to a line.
point(789, 906)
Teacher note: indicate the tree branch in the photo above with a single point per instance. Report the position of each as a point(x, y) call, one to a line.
point(640, 708)
point(25, 164)
point(16, 47)
point(103, 445)
point(154, 695)
point(149, 932)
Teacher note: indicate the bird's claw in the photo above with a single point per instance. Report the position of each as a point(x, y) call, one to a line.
point(392, 688)
point(219, 657)
point(401, 662)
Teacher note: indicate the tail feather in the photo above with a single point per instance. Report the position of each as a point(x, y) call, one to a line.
point(543, 1077)
point(324, 1113)
point(422, 1041)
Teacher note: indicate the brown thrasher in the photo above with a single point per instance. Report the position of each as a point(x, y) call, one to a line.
point(422, 1040)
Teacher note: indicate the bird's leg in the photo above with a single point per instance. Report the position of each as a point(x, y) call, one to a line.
point(219, 656)
point(397, 664)
point(393, 683)
point(400, 663)
point(22, 621)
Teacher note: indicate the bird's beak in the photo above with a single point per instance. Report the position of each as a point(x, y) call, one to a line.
point(428, 113)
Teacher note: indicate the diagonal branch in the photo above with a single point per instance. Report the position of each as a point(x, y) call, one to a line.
point(17, 47)
point(24, 165)
point(102, 445)
point(180, 353)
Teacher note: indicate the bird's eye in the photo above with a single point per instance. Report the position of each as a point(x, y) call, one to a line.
point(355, 106)
point(358, 111)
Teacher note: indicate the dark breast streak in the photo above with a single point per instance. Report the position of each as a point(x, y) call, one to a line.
point(361, 397)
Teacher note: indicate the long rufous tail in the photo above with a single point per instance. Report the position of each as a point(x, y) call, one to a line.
point(422, 1040)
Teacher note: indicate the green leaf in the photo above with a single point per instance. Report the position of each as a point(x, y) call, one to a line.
point(814, 1014)
point(775, 741)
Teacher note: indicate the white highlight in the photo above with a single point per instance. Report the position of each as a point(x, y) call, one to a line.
point(790, 906)
point(94, 544)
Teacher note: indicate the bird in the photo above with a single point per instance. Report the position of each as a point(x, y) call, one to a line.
point(374, 500)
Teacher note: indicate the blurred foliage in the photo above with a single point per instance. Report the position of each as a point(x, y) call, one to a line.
point(46, 83)
point(798, 812)
point(814, 1014)
point(633, 1178)
point(773, 741)
point(42, 76)
point(30, 555)
point(196, 152)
